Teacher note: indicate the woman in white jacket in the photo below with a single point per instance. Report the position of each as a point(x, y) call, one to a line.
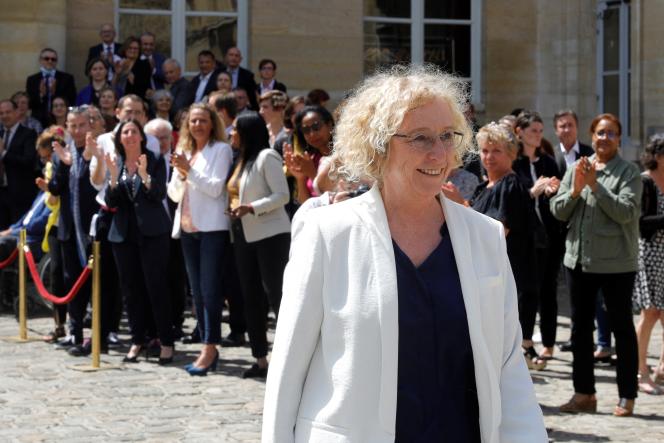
point(202, 161)
point(399, 315)
point(257, 193)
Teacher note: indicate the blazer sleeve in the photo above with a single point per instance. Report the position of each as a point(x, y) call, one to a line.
point(213, 184)
point(22, 153)
point(522, 420)
point(273, 173)
point(297, 334)
point(623, 206)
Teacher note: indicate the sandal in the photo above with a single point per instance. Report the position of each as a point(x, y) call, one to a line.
point(658, 376)
point(624, 408)
point(647, 386)
point(54, 335)
point(533, 360)
point(546, 354)
point(580, 403)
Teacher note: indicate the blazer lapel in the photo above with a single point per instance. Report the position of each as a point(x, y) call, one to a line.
point(372, 211)
point(489, 401)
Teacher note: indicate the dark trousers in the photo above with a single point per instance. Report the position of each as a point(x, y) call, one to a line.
point(142, 268)
point(177, 284)
point(55, 271)
point(617, 290)
point(204, 254)
point(233, 294)
point(71, 270)
point(528, 301)
point(260, 266)
point(548, 266)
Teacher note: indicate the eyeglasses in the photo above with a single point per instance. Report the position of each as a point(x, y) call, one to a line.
point(315, 127)
point(267, 68)
point(611, 135)
point(425, 143)
point(50, 59)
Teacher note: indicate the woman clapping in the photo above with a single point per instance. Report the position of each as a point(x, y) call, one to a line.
point(139, 234)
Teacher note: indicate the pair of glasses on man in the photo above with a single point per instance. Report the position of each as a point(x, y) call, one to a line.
point(50, 59)
point(314, 127)
point(425, 142)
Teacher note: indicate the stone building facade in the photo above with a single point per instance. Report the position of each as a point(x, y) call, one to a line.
point(589, 55)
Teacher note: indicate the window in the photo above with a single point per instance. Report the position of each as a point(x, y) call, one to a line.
point(613, 60)
point(446, 33)
point(184, 28)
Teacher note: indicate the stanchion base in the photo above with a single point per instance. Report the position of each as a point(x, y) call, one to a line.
point(89, 368)
point(17, 339)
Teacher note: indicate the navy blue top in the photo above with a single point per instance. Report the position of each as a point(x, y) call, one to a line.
point(436, 394)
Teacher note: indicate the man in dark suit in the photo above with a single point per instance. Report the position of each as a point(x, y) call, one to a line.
point(71, 181)
point(148, 44)
point(47, 84)
point(108, 48)
point(18, 165)
point(241, 78)
point(178, 85)
point(267, 70)
point(569, 150)
point(206, 80)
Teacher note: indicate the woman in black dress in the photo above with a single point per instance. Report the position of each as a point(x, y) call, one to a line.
point(539, 173)
point(132, 75)
point(505, 198)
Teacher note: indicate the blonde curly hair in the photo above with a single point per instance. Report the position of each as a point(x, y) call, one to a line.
point(375, 109)
point(498, 134)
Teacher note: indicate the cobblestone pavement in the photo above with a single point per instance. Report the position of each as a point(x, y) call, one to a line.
point(43, 399)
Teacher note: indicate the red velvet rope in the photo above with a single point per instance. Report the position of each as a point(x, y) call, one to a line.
point(9, 259)
point(42, 289)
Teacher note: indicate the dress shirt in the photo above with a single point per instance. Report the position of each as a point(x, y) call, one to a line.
point(570, 156)
point(201, 86)
point(267, 88)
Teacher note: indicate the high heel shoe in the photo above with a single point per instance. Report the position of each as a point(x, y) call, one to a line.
point(624, 408)
point(166, 360)
point(133, 358)
point(196, 371)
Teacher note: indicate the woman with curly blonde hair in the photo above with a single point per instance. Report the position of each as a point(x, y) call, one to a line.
point(399, 318)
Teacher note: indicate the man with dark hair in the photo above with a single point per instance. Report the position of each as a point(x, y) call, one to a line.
point(566, 123)
point(178, 85)
point(18, 165)
point(226, 107)
point(242, 99)
point(47, 84)
point(267, 70)
point(240, 77)
point(206, 80)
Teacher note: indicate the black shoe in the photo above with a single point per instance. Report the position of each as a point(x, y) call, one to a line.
point(565, 347)
point(195, 337)
point(65, 343)
point(233, 340)
point(80, 350)
point(255, 371)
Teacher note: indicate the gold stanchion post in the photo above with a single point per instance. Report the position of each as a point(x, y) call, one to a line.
point(96, 365)
point(22, 296)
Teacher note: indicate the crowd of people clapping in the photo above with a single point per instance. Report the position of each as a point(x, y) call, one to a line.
point(193, 188)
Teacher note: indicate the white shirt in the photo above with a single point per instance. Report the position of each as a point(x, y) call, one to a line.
point(234, 74)
point(267, 88)
point(570, 157)
point(201, 87)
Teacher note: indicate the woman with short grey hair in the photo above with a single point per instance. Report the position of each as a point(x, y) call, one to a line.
point(399, 315)
point(162, 103)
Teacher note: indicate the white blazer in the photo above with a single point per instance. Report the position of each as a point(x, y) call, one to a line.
point(206, 182)
point(333, 373)
point(264, 186)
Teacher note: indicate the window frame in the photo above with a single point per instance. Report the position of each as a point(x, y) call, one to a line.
point(179, 15)
point(624, 65)
point(417, 22)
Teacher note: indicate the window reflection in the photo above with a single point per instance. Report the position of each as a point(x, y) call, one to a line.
point(212, 5)
point(385, 44)
point(448, 46)
point(146, 4)
point(387, 8)
point(159, 25)
point(450, 9)
point(214, 33)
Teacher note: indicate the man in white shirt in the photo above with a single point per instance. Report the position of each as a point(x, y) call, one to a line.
point(206, 80)
point(108, 49)
point(569, 150)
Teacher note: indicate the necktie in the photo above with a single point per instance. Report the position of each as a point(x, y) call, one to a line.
point(47, 82)
point(3, 177)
